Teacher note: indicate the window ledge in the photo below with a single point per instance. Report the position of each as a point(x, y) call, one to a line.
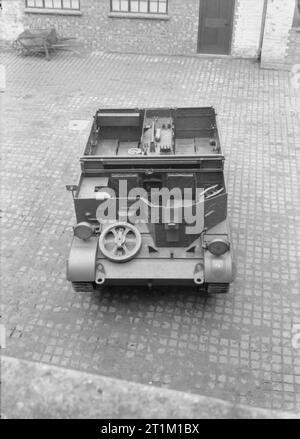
point(52, 11)
point(139, 15)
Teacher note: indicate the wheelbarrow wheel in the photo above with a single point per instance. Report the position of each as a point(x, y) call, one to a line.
point(18, 47)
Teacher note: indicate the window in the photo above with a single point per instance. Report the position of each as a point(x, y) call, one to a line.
point(54, 4)
point(140, 6)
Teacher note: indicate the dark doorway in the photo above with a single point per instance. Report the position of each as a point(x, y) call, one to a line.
point(215, 26)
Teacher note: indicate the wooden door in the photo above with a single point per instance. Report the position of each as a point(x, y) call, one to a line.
point(215, 26)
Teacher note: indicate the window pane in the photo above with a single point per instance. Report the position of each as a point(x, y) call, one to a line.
point(143, 6)
point(39, 3)
point(162, 7)
point(115, 5)
point(48, 4)
point(134, 6)
point(57, 4)
point(124, 5)
point(75, 4)
point(153, 6)
point(30, 3)
point(67, 4)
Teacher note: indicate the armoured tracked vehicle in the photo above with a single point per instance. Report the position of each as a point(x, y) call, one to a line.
point(151, 202)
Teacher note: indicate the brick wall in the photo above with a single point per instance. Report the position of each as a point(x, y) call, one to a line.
point(11, 19)
point(279, 19)
point(293, 49)
point(90, 28)
point(247, 28)
point(96, 30)
point(177, 35)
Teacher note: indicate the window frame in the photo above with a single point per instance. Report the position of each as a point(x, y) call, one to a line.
point(129, 11)
point(47, 8)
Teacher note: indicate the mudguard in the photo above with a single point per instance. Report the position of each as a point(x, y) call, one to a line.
point(218, 269)
point(82, 260)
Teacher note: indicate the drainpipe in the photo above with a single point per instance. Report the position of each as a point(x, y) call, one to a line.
point(262, 31)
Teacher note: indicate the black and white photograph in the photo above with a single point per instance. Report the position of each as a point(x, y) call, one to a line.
point(150, 212)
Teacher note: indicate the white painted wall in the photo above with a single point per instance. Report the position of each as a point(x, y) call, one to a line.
point(247, 28)
point(279, 21)
point(11, 19)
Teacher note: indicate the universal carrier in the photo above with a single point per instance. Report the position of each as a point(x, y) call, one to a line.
point(151, 203)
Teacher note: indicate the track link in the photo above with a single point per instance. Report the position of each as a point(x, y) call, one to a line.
point(83, 287)
point(91, 287)
point(217, 288)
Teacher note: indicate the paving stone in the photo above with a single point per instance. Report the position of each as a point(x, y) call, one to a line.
point(236, 346)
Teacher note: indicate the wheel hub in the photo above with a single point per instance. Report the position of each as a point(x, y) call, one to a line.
point(120, 242)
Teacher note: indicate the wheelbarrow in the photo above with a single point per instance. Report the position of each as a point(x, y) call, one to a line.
point(40, 41)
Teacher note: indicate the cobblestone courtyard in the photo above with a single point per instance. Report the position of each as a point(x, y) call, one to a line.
point(236, 346)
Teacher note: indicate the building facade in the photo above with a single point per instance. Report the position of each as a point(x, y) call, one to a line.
point(265, 29)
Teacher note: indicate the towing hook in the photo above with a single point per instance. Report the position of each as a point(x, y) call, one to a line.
point(100, 275)
point(199, 274)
